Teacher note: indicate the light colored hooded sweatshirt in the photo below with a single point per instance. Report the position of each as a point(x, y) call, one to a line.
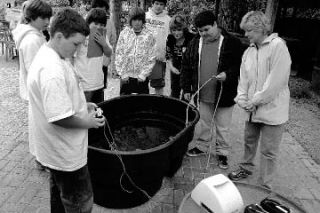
point(159, 25)
point(28, 41)
point(264, 77)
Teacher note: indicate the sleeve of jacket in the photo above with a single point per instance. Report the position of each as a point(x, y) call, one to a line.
point(186, 70)
point(280, 65)
point(169, 49)
point(232, 72)
point(31, 45)
point(120, 53)
point(150, 58)
point(243, 85)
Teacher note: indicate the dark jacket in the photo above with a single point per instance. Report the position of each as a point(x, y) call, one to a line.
point(171, 53)
point(229, 62)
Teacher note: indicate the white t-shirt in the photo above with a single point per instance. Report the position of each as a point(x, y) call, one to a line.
point(55, 93)
point(90, 69)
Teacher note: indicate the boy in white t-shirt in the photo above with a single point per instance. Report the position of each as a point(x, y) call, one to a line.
point(89, 58)
point(59, 117)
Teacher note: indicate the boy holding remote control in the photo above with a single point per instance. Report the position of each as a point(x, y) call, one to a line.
point(59, 117)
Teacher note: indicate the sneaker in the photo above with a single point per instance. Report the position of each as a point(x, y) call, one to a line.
point(239, 174)
point(194, 152)
point(223, 162)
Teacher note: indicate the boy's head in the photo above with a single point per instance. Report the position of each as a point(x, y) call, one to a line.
point(206, 23)
point(103, 4)
point(97, 16)
point(67, 30)
point(37, 13)
point(158, 6)
point(137, 18)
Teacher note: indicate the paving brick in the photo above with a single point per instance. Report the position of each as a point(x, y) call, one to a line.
point(188, 173)
point(32, 209)
point(177, 196)
point(168, 209)
point(316, 193)
point(16, 156)
point(25, 195)
point(304, 193)
point(194, 162)
point(9, 166)
point(187, 187)
point(309, 206)
point(37, 177)
point(156, 209)
point(3, 163)
point(5, 193)
point(13, 207)
point(39, 201)
point(4, 153)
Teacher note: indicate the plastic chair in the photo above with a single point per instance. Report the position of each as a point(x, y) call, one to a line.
point(10, 45)
point(6, 40)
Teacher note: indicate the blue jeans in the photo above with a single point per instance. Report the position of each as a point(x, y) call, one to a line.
point(71, 192)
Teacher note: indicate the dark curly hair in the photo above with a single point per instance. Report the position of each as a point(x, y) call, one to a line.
point(136, 13)
point(100, 3)
point(97, 15)
point(68, 22)
point(33, 9)
point(163, 1)
point(205, 18)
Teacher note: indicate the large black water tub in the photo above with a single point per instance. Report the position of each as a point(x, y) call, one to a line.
point(146, 168)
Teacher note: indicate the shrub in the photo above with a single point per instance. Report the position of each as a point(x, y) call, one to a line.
point(58, 3)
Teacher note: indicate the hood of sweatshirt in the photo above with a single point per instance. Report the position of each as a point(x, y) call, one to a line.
point(21, 30)
point(153, 15)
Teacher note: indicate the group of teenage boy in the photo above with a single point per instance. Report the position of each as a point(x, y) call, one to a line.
point(62, 83)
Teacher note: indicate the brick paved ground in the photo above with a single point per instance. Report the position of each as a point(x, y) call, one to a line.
point(25, 189)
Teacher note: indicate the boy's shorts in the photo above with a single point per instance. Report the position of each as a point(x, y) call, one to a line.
point(158, 74)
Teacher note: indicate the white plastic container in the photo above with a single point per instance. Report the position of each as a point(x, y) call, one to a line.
point(218, 194)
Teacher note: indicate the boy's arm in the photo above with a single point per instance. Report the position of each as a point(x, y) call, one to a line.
point(150, 59)
point(119, 53)
point(242, 91)
point(58, 107)
point(90, 121)
point(104, 42)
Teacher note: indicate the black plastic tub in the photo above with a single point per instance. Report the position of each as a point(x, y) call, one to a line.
point(146, 168)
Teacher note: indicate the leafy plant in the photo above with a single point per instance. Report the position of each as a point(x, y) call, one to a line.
point(189, 8)
point(58, 3)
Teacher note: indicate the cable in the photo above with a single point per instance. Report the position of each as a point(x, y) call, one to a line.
point(113, 147)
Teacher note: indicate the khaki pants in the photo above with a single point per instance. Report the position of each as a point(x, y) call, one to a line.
point(271, 137)
point(204, 135)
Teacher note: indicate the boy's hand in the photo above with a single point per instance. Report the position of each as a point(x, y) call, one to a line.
point(95, 122)
point(174, 70)
point(187, 96)
point(91, 106)
point(100, 39)
point(221, 77)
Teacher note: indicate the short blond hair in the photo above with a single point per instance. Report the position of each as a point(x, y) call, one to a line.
point(256, 20)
